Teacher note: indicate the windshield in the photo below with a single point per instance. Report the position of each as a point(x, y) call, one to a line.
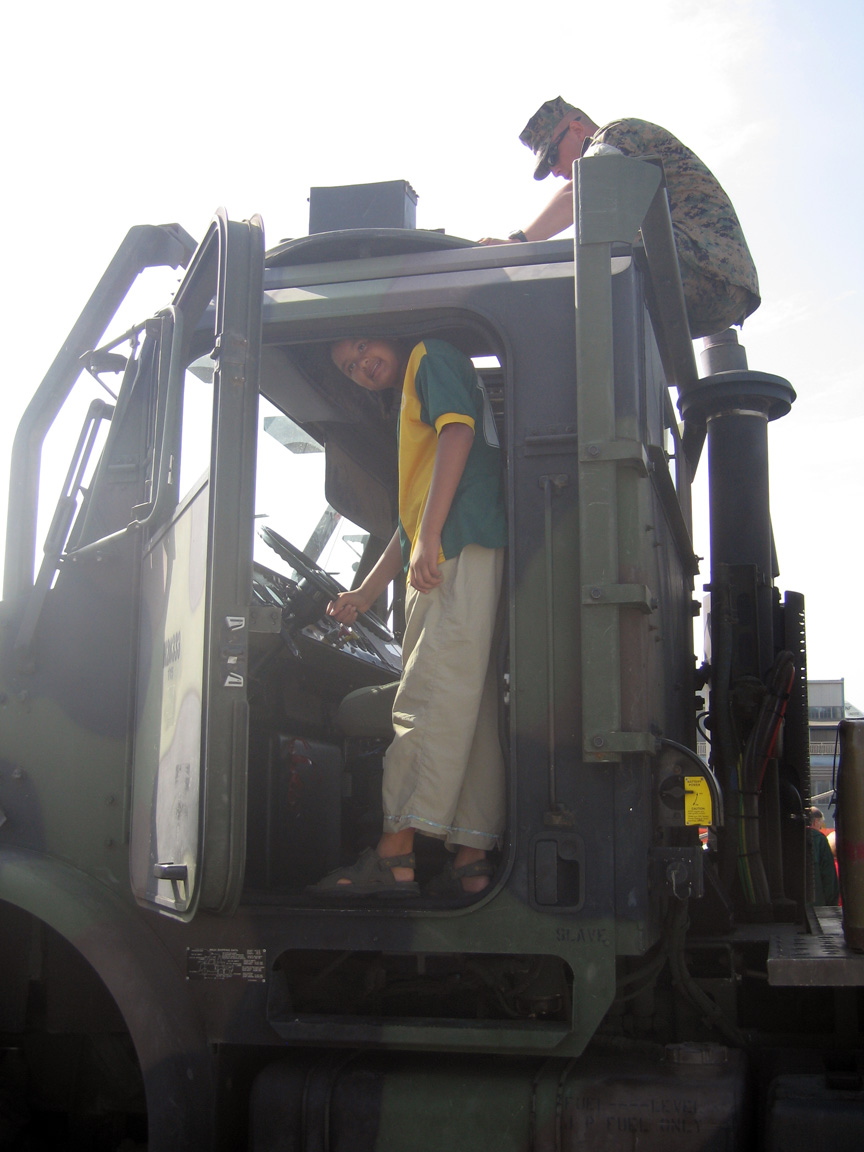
point(290, 500)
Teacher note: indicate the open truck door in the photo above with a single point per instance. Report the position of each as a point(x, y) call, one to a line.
point(190, 739)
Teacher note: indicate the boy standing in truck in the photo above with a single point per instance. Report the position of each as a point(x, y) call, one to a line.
point(444, 771)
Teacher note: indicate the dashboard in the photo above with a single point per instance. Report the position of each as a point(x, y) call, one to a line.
point(367, 649)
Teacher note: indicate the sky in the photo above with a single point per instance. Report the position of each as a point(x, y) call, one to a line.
point(118, 114)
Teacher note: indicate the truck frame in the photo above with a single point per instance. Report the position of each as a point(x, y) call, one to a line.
point(187, 742)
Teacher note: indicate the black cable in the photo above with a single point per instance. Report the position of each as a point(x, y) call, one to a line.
point(711, 1013)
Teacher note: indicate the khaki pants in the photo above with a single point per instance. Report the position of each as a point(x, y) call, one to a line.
point(444, 771)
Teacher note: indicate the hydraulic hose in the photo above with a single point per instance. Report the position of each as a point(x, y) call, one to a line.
point(757, 752)
point(710, 1012)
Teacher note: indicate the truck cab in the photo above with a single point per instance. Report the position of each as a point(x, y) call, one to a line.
point(189, 741)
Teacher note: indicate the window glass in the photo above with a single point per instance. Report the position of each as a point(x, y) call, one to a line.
point(290, 499)
point(197, 429)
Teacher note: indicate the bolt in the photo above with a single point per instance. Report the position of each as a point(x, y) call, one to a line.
point(593, 450)
point(596, 593)
point(597, 741)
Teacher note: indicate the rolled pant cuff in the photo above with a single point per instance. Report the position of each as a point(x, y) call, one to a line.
point(460, 837)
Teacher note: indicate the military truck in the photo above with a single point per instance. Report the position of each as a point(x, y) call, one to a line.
point(188, 741)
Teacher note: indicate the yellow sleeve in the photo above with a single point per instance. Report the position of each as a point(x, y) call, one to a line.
point(453, 418)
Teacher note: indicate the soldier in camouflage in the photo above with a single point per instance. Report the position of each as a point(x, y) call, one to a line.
point(717, 270)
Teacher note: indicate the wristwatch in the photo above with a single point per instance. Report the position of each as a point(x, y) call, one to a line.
point(518, 235)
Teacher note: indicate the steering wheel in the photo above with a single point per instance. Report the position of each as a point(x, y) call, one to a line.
point(321, 581)
point(300, 562)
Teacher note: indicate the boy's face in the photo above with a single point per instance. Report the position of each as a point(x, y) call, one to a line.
point(373, 364)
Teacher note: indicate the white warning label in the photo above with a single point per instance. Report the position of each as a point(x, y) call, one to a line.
point(226, 964)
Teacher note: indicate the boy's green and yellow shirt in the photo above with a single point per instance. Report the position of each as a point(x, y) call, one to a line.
point(442, 387)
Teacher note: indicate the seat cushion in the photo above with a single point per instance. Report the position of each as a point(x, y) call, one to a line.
point(368, 711)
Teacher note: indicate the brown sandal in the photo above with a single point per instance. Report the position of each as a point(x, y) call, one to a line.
point(371, 875)
point(449, 882)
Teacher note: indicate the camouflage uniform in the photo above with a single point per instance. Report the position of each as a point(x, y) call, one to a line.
point(717, 270)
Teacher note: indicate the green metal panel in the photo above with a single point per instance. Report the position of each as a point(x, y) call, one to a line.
point(612, 196)
point(148, 988)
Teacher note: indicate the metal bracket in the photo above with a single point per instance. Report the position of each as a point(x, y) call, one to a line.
point(680, 870)
point(635, 595)
point(631, 452)
point(264, 618)
point(614, 193)
point(602, 742)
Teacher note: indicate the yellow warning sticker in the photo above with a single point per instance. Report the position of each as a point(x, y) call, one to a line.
point(697, 801)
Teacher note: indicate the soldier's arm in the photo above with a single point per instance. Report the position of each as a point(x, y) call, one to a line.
point(555, 217)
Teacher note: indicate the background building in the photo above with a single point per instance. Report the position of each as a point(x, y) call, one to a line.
point(827, 707)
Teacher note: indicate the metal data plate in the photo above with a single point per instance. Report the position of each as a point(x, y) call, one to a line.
point(817, 959)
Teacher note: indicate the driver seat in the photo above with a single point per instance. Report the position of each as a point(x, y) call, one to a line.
point(368, 712)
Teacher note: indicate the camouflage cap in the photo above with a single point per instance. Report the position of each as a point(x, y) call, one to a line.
point(539, 132)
